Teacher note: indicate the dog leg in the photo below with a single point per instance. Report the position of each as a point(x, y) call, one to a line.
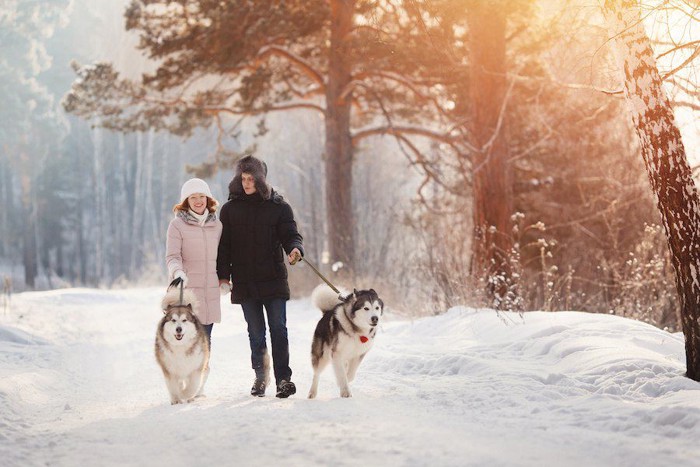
point(341, 377)
point(352, 367)
point(320, 366)
point(174, 390)
point(200, 393)
point(193, 385)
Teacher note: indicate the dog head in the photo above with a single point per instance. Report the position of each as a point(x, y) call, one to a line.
point(365, 307)
point(179, 325)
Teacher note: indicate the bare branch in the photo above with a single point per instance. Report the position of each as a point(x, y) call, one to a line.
point(303, 65)
point(262, 110)
point(692, 57)
point(405, 130)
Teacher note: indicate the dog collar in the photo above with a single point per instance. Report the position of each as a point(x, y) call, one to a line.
point(363, 339)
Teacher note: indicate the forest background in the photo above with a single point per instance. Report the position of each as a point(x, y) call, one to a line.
point(87, 183)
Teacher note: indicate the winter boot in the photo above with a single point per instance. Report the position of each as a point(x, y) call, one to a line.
point(262, 378)
point(285, 389)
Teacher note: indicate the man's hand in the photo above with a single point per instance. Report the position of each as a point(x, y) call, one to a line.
point(294, 256)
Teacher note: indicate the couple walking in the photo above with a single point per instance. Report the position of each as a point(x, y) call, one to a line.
point(240, 252)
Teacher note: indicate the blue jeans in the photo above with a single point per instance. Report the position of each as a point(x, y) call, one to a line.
point(277, 320)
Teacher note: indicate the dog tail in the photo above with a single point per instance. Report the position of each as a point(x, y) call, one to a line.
point(172, 297)
point(324, 297)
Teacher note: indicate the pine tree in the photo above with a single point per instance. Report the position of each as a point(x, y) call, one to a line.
point(362, 65)
point(492, 181)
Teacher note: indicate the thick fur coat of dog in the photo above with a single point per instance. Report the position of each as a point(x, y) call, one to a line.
point(182, 347)
point(344, 334)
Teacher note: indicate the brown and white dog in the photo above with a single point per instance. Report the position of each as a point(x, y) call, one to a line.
point(181, 347)
point(344, 334)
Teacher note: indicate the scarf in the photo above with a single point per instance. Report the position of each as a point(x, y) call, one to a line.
point(200, 218)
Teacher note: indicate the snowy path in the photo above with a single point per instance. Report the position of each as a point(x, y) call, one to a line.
point(79, 385)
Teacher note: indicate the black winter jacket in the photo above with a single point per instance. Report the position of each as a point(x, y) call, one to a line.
point(250, 251)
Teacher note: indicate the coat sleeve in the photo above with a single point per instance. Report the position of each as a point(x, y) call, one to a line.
point(223, 257)
point(287, 231)
point(173, 250)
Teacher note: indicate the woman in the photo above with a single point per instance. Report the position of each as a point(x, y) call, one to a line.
point(191, 249)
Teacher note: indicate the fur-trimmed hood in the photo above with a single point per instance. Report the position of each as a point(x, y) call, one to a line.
point(255, 167)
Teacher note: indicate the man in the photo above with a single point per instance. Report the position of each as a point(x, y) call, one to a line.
point(257, 225)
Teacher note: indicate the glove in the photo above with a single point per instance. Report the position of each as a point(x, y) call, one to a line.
point(180, 274)
point(225, 288)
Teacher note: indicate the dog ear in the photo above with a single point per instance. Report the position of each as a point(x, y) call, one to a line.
point(189, 307)
point(354, 293)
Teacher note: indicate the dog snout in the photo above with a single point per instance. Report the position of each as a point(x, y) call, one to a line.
point(178, 330)
point(374, 320)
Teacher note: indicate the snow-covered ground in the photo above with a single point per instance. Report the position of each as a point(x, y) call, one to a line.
point(79, 386)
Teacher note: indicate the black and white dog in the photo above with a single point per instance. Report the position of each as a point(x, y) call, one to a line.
point(182, 346)
point(344, 334)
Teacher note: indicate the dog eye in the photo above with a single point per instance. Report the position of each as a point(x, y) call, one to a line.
point(366, 308)
point(173, 320)
point(184, 320)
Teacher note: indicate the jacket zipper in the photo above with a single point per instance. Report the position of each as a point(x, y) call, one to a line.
point(206, 276)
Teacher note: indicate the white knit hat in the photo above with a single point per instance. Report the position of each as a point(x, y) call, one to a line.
point(192, 186)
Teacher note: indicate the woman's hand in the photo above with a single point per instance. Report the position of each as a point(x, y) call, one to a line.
point(224, 286)
point(180, 274)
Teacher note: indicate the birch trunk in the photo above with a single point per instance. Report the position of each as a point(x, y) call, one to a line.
point(29, 246)
point(137, 208)
point(6, 200)
point(666, 164)
point(99, 195)
point(121, 235)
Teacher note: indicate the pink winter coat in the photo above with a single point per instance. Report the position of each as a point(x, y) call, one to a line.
point(192, 248)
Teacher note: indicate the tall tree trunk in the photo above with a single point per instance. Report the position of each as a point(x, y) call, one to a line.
point(137, 208)
point(491, 173)
point(338, 154)
point(98, 193)
point(666, 164)
point(121, 233)
point(29, 246)
point(6, 200)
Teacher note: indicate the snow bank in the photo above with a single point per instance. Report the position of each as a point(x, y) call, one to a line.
point(79, 384)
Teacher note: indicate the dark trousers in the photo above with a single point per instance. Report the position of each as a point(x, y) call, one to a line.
point(207, 329)
point(276, 309)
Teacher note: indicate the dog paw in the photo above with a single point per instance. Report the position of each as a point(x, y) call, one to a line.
point(174, 402)
point(345, 393)
point(312, 394)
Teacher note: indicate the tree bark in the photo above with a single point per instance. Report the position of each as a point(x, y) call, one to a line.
point(29, 246)
point(666, 164)
point(491, 172)
point(338, 155)
point(99, 193)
